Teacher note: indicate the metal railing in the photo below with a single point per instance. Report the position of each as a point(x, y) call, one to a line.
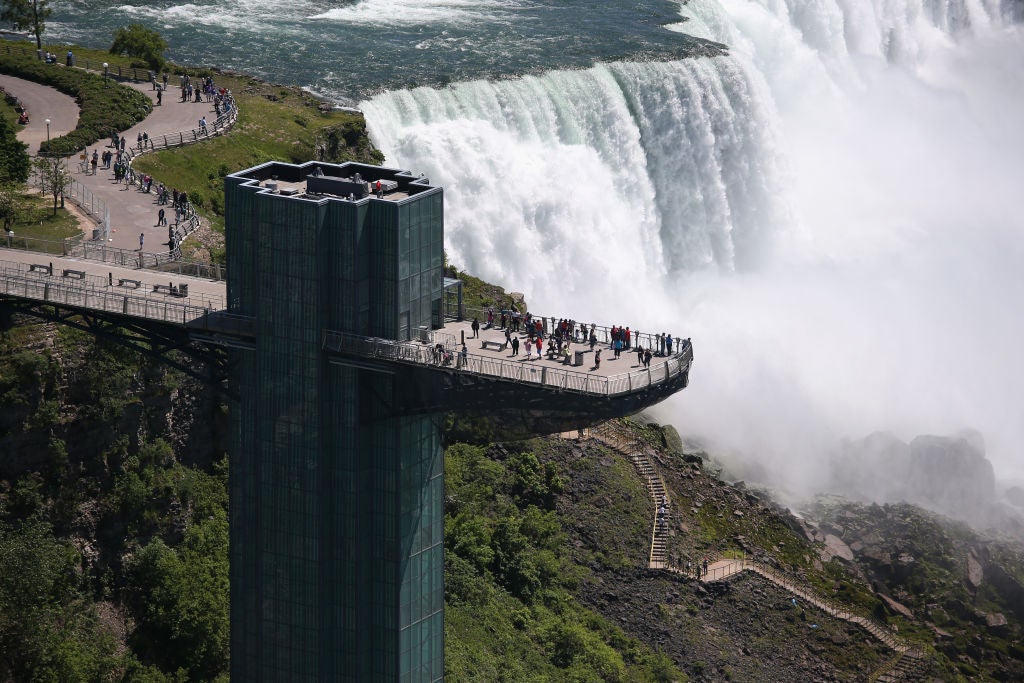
point(614, 435)
point(443, 354)
point(57, 292)
point(46, 282)
point(601, 332)
point(97, 209)
point(810, 596)
point(63, 247)
point(180, 138)
point(121, 73)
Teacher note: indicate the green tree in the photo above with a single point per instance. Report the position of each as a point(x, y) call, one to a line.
point(15, 164)
point(11, 204)
point(181, 600)
point(54, 177)
point(37, 580)
point(135, 40)
point(27, 15)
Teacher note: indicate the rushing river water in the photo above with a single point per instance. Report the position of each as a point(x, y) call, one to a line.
point(831, 210)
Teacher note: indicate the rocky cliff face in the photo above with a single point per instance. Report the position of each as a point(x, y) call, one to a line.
point(948, 474)
point(937, 578)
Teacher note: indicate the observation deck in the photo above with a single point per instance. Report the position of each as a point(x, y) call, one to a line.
point(526, 394)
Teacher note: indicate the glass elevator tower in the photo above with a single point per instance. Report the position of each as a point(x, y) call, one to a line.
point(337, 560)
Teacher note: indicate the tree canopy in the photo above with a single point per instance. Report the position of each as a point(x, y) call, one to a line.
point(135, 40)
point(27, 15)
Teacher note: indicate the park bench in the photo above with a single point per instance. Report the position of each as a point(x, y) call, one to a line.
point(126, 282)
point(41, 268)
point(79, 274)
point(180, 290)
point(491, 343)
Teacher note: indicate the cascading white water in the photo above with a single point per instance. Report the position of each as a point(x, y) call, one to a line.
point(830, 212)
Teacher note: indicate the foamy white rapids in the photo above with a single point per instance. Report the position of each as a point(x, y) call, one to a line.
point(418, 11)
point(831, 212)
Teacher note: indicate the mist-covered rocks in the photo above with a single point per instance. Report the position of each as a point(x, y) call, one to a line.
point(947, 474)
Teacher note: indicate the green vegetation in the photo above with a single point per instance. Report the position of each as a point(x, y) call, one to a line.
point(510, 611)
point(105, 106)
point(54, 178)
point(113, 553)
point(33, 218)
point(135, 40)
point(14, 160)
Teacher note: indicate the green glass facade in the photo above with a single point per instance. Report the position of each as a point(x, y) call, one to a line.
point(336, 498)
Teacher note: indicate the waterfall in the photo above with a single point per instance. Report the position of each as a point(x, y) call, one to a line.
point(665, 165)
point(829, 211)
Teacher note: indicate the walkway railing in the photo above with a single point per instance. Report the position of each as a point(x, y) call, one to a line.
point(77, 247)
point(119, 72)
point(524, 372)
point(44, 282)
point(63, 247)
point(614, 435)
point(86, 199)
point(809, 595)
point(601, 332)
point(180, 138)
point(97, 209)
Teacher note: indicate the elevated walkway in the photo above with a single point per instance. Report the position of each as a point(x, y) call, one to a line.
point(488, 382)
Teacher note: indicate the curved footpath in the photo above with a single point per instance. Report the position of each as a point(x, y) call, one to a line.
point(42, 102)
point(131, 211)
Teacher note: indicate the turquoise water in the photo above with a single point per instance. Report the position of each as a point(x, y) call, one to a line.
point(349, 50)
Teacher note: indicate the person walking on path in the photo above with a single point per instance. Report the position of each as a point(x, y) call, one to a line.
point(159, 96)
point(476, 328)
point(161, 217)
point(597, 360)
point(202, 126)
point(142, 238)
point(95, 161)
point(515, 346)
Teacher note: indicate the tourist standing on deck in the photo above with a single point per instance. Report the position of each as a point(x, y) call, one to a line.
point(476, 328)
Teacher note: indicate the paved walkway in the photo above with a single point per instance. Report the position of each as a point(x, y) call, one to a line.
point(131, 211)
point(42, 102)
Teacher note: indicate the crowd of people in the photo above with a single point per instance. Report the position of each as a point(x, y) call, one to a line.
point(541, 337)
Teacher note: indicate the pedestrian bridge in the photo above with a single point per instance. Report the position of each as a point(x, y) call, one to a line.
point(488, 380)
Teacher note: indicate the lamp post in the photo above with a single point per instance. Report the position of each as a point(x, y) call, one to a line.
point(106, 74)
point(47, 130)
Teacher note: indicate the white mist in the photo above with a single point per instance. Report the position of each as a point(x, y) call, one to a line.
point(831, 213)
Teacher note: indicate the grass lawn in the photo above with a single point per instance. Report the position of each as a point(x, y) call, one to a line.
point(38, 222)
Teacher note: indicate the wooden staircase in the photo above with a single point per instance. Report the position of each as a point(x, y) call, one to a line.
point(618, 437)
point(908, 663)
